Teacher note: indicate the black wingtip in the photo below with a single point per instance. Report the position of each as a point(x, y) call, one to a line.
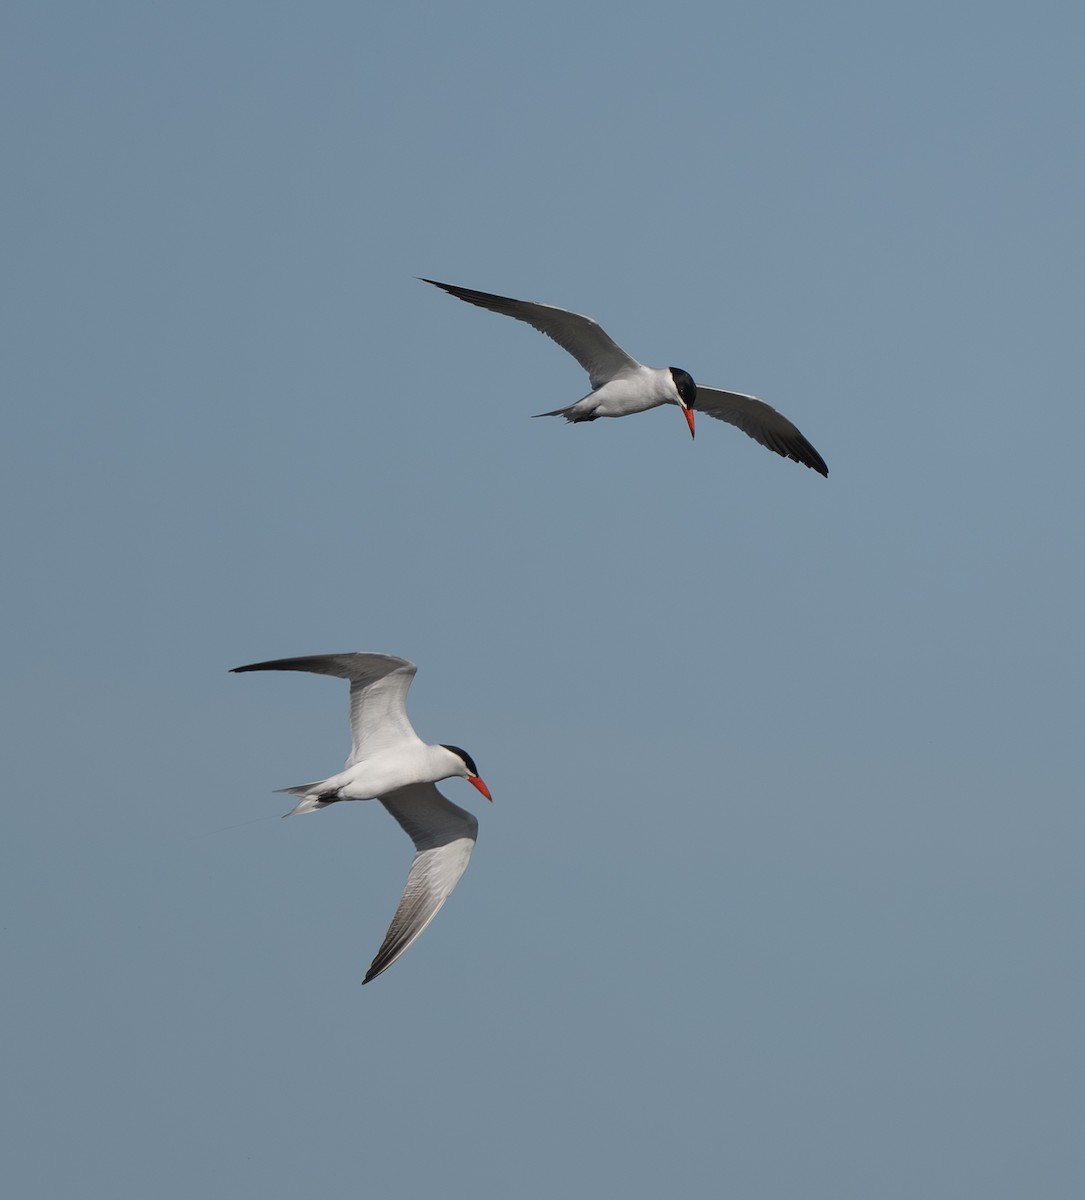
point(374, 971)
point(490, 300)
point(801, 452)
point(459, 293)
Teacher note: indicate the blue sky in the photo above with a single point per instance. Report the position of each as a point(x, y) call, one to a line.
point(781, 890)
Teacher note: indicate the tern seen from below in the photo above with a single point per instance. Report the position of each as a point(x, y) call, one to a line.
point(621, 385)
point(390, 763)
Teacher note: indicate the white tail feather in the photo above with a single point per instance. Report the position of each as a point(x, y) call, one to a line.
point(312, 800)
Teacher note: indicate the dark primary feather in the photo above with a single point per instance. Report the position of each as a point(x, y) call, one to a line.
point(355, 666)
point(761, 422)
point(580, 336)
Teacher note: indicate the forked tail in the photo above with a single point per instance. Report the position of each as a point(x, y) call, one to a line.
point(311, 799)
point(569, 413)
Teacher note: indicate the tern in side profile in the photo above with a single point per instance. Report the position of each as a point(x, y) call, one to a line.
point(390, 763)
point(621, 385)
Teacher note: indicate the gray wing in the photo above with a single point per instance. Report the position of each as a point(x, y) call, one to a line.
point(378, 695)
point(761, 422)
point(591, 346)
point(444, 836)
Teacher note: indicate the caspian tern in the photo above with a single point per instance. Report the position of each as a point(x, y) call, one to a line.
point(621, 385)
point(389, 762)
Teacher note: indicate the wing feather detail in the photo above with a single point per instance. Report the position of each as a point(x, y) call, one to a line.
point(444, 836)
point(378, 695)
point(762, 422)
point(580, 336)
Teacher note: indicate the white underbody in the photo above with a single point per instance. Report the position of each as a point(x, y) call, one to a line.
point(386, 772)
point(631, 392)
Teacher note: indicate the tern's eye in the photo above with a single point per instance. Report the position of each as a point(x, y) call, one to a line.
point(684, 386)
point(462, 754)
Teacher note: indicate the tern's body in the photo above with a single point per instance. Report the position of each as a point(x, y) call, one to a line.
point(377, 776)
point(622, 386)
point(635, 390)
point(390, 763)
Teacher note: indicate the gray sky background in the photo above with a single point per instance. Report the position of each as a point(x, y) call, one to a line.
point(780, 894)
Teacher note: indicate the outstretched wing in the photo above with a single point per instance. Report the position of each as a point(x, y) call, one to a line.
point(444, 836)
point(761, 422)
point(591, 346)
point(378, 695)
